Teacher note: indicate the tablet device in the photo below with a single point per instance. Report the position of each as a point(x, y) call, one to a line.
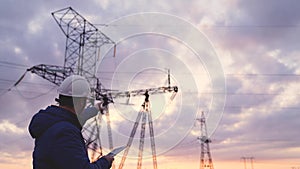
point(116, 151)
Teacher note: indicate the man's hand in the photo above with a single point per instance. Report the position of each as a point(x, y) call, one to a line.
point(109, 158)
point(100, 107)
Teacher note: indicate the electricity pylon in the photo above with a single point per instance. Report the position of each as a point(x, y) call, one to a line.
point(109, 97)
point(245, 161)
point(82, 53)
point(205, 157)
point(145, 114)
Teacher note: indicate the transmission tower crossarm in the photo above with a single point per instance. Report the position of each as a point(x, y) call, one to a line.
point(52, 73)
point(141, 92)
point(109, 96)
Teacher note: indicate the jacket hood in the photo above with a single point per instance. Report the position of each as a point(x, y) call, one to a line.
point(44, 119)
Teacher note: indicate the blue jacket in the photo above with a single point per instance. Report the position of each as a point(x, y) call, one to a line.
point(59, 143)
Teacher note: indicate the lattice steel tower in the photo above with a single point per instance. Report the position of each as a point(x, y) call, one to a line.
point(82, 53)
point(205, 157)
point(245, 159)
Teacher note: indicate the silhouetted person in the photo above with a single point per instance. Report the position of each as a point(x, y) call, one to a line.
point(59, 143)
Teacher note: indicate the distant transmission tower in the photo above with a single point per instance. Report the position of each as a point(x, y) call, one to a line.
point(205, 157)
point(245, 159)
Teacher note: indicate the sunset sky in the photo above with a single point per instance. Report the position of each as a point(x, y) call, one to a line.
point(238, 61)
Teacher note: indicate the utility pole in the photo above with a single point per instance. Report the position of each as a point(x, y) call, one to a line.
point(205, 157)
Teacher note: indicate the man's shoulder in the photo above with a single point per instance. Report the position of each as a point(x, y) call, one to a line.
point(64, 128)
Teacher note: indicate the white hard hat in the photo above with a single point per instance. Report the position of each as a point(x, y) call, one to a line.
point(75, 86)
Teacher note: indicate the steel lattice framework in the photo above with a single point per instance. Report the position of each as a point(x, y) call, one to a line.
point(145, 114)
point(82, 52)
point(82, 44)
point(52, 73)
point(205, 157)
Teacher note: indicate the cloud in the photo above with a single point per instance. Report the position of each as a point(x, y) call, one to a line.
point(7, 127)
point(13, 139)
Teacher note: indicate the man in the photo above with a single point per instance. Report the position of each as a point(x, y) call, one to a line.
point(59, 143)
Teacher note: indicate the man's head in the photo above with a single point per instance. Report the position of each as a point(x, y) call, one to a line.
point(73, 93)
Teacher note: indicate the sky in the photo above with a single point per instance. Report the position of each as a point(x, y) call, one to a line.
point(234, 60)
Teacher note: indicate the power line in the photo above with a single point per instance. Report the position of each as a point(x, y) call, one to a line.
point(14, 64)
point(216, 26)
point(8, 80)
point(7, 66)
point(226, 108)
point(129, 72)
point(262, 74)
point(20, 92)
point(226, 74)
point(26, 82)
